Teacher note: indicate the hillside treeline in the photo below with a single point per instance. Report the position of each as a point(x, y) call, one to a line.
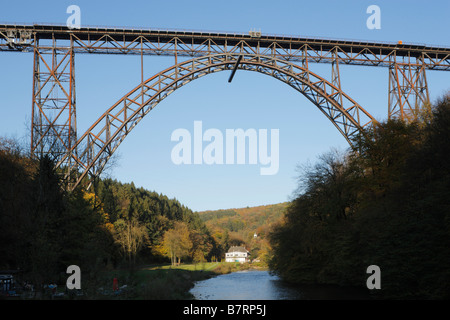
point(44, 229)
point(386, 204)
point(237, 227)
point(158, 215)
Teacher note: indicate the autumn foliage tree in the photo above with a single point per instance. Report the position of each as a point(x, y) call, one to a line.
point(385, 204)
point(44, 229)
point(177, 242)
point(131, 236)
point(155, 214)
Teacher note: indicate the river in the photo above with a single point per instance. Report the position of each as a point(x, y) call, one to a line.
point(261, 285)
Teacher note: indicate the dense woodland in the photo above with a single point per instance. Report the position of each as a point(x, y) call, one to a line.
point(44, 229)
point(385, 204)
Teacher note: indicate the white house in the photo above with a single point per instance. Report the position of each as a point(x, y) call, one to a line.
point(237, 254)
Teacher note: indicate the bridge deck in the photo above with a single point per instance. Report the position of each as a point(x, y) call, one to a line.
point(195, 43)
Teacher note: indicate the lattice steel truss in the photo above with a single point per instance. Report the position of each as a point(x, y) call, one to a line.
point(100, 141)
point(408, 90)
point(54, 129)
point(282, 57)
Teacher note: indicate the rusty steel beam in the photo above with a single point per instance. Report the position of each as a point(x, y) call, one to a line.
point(53, 127)
point(53, 124)
point(285, 58)
point(193, 44)
point(99, 142)
point(408, 92)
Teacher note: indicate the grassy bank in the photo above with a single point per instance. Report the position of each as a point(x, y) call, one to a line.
point(160, 282)
point(154, 282)
point(174, 282)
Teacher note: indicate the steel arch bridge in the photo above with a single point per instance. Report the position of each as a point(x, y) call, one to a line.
point(100, 141)
point(283, 58)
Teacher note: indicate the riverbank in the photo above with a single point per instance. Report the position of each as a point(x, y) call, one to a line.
point(165, 282)
point(151, 282)
point(175, 282)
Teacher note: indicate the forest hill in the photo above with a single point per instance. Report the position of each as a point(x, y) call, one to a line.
point(44, 229)
point(385, 205)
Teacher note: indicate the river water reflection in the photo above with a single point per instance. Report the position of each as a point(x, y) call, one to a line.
point(261, 285)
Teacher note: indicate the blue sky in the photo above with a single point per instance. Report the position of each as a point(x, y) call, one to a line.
point(250, 101)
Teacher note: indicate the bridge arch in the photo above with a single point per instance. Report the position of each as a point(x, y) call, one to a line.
point(95, 147)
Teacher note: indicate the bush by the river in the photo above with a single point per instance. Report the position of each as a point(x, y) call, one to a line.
point(385, 204)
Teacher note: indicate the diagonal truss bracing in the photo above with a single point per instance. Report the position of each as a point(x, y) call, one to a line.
point(286, 58)
point(195, 44)
point(408, 90)
point(53, 130)
point(100, 141)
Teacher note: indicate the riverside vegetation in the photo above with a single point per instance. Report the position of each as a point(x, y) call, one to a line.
point(385, 205)
point(44, 229)
point(161, 282)
point(109, 231)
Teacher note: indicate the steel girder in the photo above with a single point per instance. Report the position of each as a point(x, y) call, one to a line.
point(101, 140)
point(104, 40)
point(54, 114)
point(54, 127)
point(408, 90)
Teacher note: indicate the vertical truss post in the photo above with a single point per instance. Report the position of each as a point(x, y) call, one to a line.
point(408, 89)
point(336, 78)
point(176, 58)
point(53, 127)
point(305, 57)
point(142, 70)
point(304, 62)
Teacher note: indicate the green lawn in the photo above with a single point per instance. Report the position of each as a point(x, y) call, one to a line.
point(154, 282)
point(169, 282)
point(207, 266)
point(151, 282)
point(158, 281)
